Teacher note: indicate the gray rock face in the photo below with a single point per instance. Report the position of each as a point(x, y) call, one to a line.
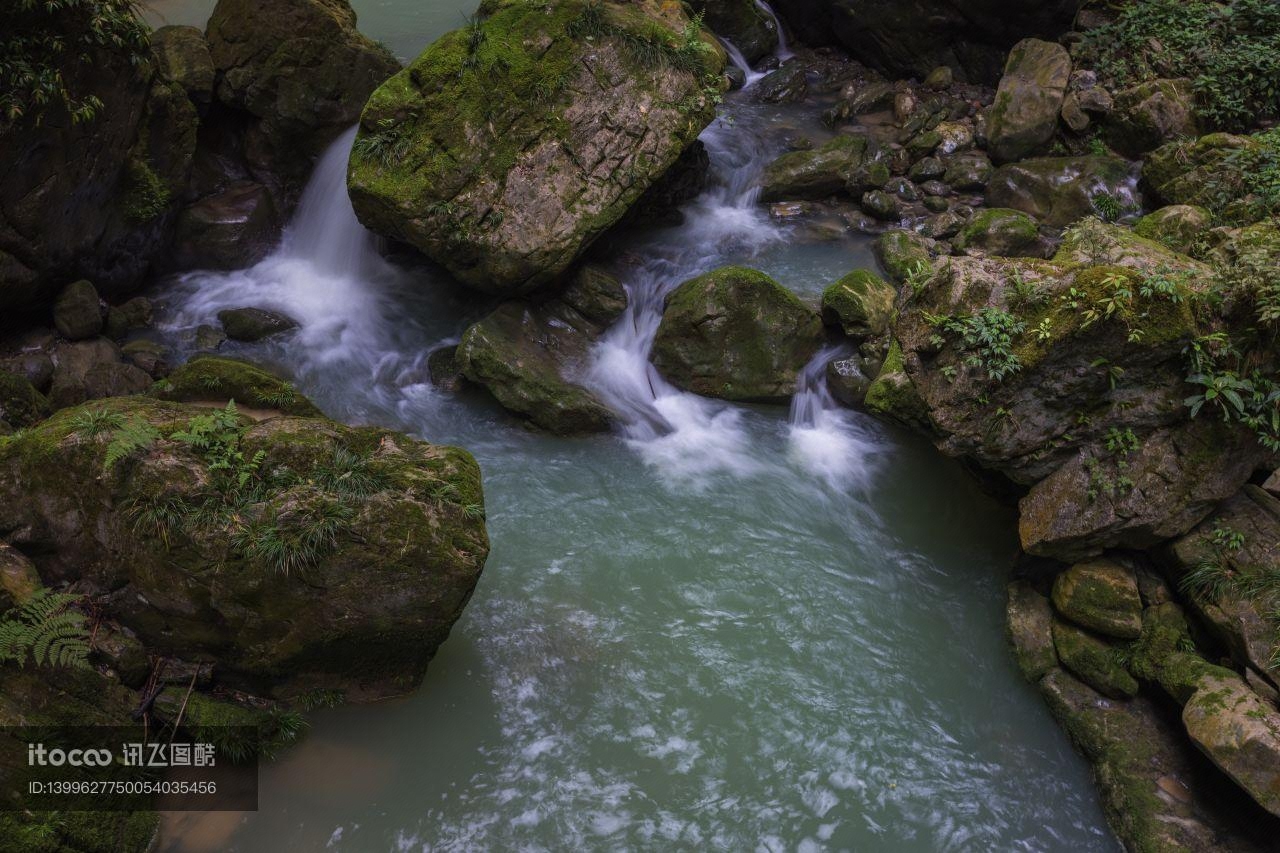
point(182, 55)
point(1028, 100)
point(77, 313)
point(1061, 190)
point(228, 230)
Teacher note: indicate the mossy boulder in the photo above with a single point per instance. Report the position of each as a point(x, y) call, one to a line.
point(1151, 113)
point(1024, 114)
point(300, 68)
point(77, 312)
point(1058, 191)
point(1206, 171)
point(1240, 733)
point(1177, 226)
point(1092, 660)
point(20, 403)
point(736, 334)
point(1101, 595)
point(893, 394)
point(999, 231)
point(903, 254)
point(817, 173)
point(1029, 627)
point(298, 553)
point(743, 23)
point(182, 56)
point(254, 324)
point(212, 379)
point(531, 357)
point(860, 304)
point(507, 147)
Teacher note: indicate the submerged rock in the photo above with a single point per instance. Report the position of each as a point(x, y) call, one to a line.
point(736, 334)
point(507, 147)
point(254, 324)
point(1024, 114)
point(325, 557)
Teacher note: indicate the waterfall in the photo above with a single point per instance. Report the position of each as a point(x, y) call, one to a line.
point(784, 52)
point(749, 75)
point(824, 437)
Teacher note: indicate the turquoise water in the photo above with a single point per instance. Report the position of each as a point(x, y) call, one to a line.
point(738, 634)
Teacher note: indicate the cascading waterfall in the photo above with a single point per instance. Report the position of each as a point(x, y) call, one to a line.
point(784, 52)
point(749, 75)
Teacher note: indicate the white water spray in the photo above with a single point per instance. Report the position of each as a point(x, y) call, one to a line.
point(784, 51)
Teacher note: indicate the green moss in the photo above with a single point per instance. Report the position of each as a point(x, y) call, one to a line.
point(145, 196)
point(20, 403)
point(211, 378)
point(893, 394)
point(1093, 660)
point(902, 254)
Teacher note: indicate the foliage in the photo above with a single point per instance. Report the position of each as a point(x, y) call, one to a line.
point(987, 337)
point(93, 422)
point(1107, 205)
point(1230, 50)
point(47, 630)
point(44, 38)
point(1109, 475)
point(653, 47)
point(216, 438)
point(133, 435)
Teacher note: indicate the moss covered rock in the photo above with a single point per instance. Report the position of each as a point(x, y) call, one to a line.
point(1101, 595)
point(1151, 113)
point(211, 379)
point(1240, 733)
point(1024, 114)
point(1058, 191)
point(298, 553)
point(1177, 226)
point(20, 403)
point(1093, 661)
point(736, 334)
point(893, 394)
point(1205, 171)
point(743, 23)
point(903, 254)
point(508, 146)
point(860, 304)
point(1029, 627)
point(182, 56)
point(999, 231)
point(254, 324)
point(818, 173)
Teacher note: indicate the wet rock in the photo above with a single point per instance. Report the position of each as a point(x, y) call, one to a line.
point(945, 225)
point(20, 403)
point(182, 56)
point(743, 23)
point(1195, 171)
point(208, 337)
point(935, 189)
point(953, 137)
point(927, 169)
point(212, 379)
point(1058, 191)
point(998, 231)
point(1093, 661)
point(254, 324)
point(683, 182)
point(148, 356)
point(882, 205)
point(123, 319)
point(36, 367)
point(785, 85)
point(77, 313)
point(858, 304)
point(444, 369)
point(362, 611)
point(1177, 226)
point(847, 380)
point(736, 334)
point(1024, 114)
point(814, 174)
point(508, 205)
point(1029, 625)
point(1151, 113)
point(894, 395)
point(126, 656)
point(1240, 733)
point(72, 363)
point(939, 78)
point(114, 379)
point(1101, 595)
point(903, 254)
point(229, 230)
point(18, 577)
point(968, 171)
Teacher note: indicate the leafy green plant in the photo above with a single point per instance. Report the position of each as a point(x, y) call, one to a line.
point(216, 437)
point(293, 540)
point(47, 630)
point(1108, 207)
point(987, 337)
point(91, 423)
point(132, 436)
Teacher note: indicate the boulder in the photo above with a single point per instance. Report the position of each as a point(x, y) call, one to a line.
point(254, 324)
point(300, 68)
point(509, 146)
point(1029, 626)
point(999, 231)
point(893, 395)
point(148, 356)
point(1177, 226)
point(77, 312)
point(815, 174)
point(127, 317)
point(1208, 171)
point(787, 84)
point(1101, 595)
point(216, 380)
point(114, 379)
point(1093, 661)
point(903, 254)
point(228, 230)
point(1151, 113)
point(72, 364)
point(19, 579)
point(968, 172)
point(744, 24)
point(847, 380)
point(736, 334)
point(531, 357)
point(1240, 733)
point(20, 403)
point(182, 57)
point(1024, 115)
point(344, 569)
point(859, 304)
point(1058, 191)
point(882, 205)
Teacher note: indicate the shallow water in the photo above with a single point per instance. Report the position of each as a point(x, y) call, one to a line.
point(715, 629)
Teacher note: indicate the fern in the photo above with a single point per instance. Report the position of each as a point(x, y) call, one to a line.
point(92, 422)
point(47, 630)
point(133, 435)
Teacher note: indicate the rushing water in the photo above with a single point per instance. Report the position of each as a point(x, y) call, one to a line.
point(720, 628)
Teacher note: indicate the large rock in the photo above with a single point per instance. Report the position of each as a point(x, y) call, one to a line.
point(1177, 226)
point(736, 334)
point(999, 231)
point(860, 304)
point(300, 68)
point(1101, 595)
point(1093, 661)
point(254, 324)
point(182, 56)
point(1149, 114)
point(1209, 171)
point(1058, 191)
point(77, 313)
point(20, 403)
point(1240, 733)
point(508, 146)
point(1024, 114)
point(215, 380)
point(1029, 626)
point(532, 356)
point(228, 230)
point(909, 38)
point(821, 172)
point(343, 569)
point(743, 23)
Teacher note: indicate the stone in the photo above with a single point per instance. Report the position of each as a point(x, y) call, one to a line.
point(1024, 114)
point(939, 78)
point(744, 24)
point(231, 229)
point(20, 403)
point(1240, 733)
point(507, 185)
point(1093, 661)
point(114, 379)
point(182, 56)
point(859, 304)
point(1177, 226)
point(1196, 171)
point(1058, 191)
point(77, 313)
point(847, 380)
point(953, 137)
point(903, 254)
point(217, 380)
point(968, 172)
point(18, 577)
point(736, 334)
point(72, 364)
point(148, 356)
point(999, 231)
point(254, 324)
point(882, 205)
point(127, 317)
point(815, 174)
point(1151, 113)
point(946, 224)
point(1101, 595)
point(1029, 627)
point(208, 338)
point(894, 395)
point(784, 85)
point(927, 169)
